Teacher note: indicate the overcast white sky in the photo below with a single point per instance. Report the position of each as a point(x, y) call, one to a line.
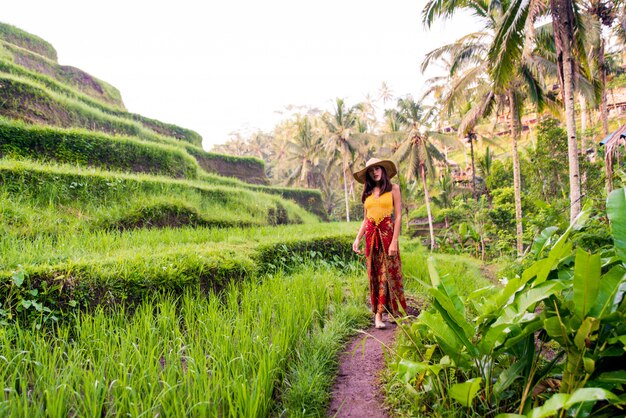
point(218, 67)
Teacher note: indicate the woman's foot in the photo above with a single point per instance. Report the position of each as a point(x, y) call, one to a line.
point(378, 321)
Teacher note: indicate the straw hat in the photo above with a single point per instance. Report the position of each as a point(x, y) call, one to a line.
point(388, 165)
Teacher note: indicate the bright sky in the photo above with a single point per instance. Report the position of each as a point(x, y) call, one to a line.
point(219, 67)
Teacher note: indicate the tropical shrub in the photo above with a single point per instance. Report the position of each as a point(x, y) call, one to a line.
point(552, 341)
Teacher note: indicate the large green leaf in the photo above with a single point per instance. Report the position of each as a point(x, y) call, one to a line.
point(590, 394)
point(452, 310)
point(560, 251)
point(556, 330)
point(616, 211)
point(586, 281)
point(616, 377)
point(550, 407)
point(495, 303)
point(526, 299)
point(450, 344)
point(465, 392)
point(585, 330)
point(564, 400)
point(432, 271)
point(543, 240)
point(458, 331)
point(609, 285)
point(508, 376)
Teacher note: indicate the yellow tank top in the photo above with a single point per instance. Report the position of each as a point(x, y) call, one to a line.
point(378, 208)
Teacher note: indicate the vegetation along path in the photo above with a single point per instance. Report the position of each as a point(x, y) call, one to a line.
point(356, 392)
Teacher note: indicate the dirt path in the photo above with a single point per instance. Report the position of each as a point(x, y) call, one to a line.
point(356, 392)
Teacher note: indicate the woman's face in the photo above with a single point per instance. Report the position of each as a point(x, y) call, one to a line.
point(375, 173)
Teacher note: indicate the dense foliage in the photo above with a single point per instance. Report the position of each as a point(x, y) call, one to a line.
point(551, 341)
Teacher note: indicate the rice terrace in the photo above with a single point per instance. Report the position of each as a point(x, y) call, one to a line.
point(142, 275)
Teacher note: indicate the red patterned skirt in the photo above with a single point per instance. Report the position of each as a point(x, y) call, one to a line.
point(384, 271)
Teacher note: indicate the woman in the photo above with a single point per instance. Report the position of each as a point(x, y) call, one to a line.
point(381, 199)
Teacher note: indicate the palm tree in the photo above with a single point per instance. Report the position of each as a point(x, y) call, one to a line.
point(485, 162)
point(384, 93)
point(508, 47)
point(417, 150)
point(470, 60)
point(304, 150)
point(341, 125)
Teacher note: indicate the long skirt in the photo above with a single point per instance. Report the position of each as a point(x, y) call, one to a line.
point(384, 271)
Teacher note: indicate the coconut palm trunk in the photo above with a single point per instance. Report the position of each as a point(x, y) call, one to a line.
point(345, 191)
point(471, 137)
point(563, 28)
point(430, 216)
point(604, 110)
point(517, 187)
point(584, 117)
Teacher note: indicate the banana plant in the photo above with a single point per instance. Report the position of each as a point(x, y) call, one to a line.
point(568, 299)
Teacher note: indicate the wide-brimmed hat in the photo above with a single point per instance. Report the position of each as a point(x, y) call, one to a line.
point(388, 165)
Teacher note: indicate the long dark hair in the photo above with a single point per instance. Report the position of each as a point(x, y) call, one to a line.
point(384, 184)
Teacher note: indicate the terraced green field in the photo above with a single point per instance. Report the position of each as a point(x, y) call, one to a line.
point(135, 279)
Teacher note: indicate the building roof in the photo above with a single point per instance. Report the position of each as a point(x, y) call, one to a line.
point(615, 135)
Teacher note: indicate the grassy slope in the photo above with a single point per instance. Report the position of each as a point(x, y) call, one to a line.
point(39, 199)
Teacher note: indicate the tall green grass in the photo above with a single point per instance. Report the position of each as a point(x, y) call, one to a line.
point(41, 199)
point(88, 148)
point(28, 41)
point(90, 245)
point(24, 96)
point(464, 271)
point(227, 356)
point(115, 109)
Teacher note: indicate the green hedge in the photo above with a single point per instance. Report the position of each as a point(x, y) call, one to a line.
point(133, 278)
point(27, 41)
point(94, 149)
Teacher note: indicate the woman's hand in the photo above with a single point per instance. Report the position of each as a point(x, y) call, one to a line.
point(393, 248)
point(355, 246)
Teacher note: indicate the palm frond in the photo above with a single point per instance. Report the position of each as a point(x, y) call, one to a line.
point(506, 49)
point(534, 89)
point(480, 109)
point(447, 140)
point(439, 9)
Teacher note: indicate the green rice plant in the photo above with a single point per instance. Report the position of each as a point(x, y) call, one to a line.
point(310, 377)
point(94, 245)
point(196, 355)
point(20, 140)
point(126, 269)
point(25, 97)
point(64, 196)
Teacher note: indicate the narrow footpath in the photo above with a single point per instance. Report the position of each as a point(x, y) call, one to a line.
point(357, 392)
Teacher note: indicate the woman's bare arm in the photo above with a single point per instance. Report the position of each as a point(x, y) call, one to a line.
point(397, 224)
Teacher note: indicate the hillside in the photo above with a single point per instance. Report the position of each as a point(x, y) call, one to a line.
point(76, 166)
